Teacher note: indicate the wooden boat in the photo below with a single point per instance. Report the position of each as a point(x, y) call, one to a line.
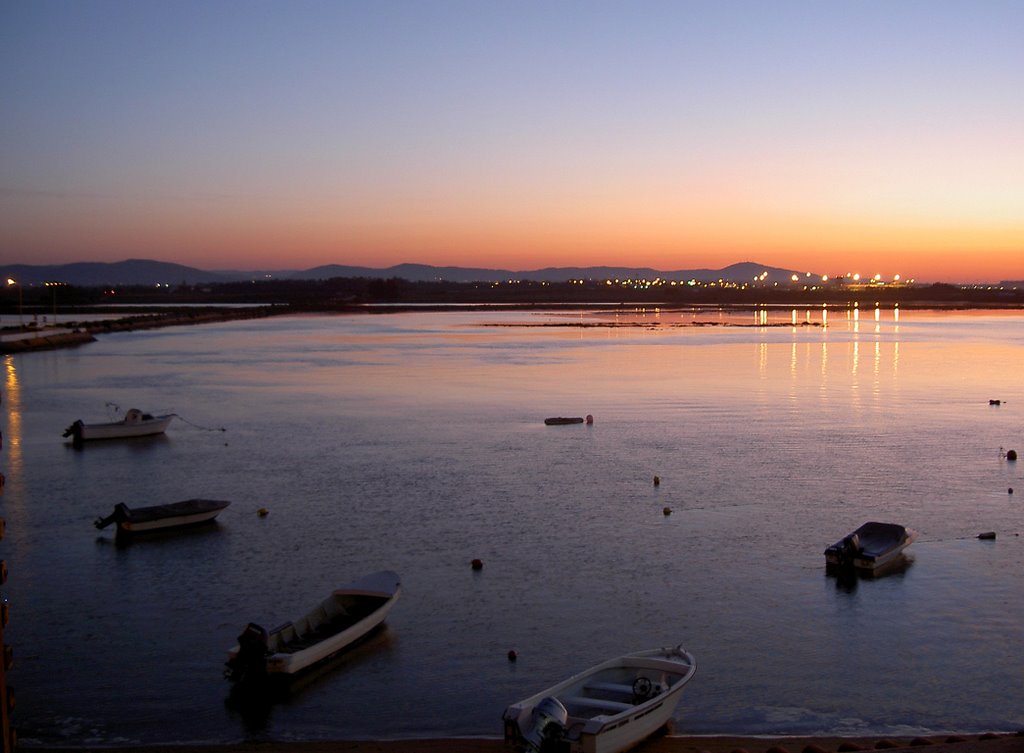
point(608, 708)
point(870, 547)
point(347, 615)
point(134, 424)
point(158, 517)
point(564, 420)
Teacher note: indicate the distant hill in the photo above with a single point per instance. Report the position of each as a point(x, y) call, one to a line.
point(147, 272)
point(101, 274)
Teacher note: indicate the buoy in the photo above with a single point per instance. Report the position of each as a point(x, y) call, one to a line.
point(657, 480)
point(1010, 490)
point(263, 512)
point(667, 511)
point(512, 655)
point(1011, 454)
point(987, 535)
point(478, 564)
point(590, 419)
point(994, 402)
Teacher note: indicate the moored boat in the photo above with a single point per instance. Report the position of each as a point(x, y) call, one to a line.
point(565, 420)
point(345, 616)
point(870, 547)
point(134, 424)
point(190, 512)
point(608, 708)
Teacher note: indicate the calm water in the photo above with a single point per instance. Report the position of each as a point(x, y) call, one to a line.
point(415, 442)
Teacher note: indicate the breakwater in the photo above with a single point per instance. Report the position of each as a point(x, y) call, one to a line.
point(76, 333)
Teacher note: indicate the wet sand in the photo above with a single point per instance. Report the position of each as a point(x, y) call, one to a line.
point(989, 743)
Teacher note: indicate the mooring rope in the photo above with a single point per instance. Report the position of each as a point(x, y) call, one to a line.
point(197, 426)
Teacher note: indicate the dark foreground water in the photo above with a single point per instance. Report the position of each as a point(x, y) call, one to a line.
point(415, 442)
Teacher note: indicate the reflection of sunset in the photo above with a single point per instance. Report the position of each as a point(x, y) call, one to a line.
point(12, 410)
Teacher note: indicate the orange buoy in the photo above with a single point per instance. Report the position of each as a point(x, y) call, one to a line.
point(667, 511)
point(263, 512)
point(478, 564)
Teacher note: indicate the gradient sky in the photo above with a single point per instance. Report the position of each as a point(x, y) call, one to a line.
point(864, 136)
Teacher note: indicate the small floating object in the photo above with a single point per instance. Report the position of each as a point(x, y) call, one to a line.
point(995, 402)
point(477, 564)
point(657, 480)
point(263, 512)
point(1010, 490)
point(1011, 454)
point(512, 655)
point(667, 511)
point(563, 420)
point(987, 535)
point(590, 420)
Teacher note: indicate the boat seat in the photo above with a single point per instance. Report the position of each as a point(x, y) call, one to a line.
point(283, 635)
point(334, 610)
point(596, 703)
point(611, 687)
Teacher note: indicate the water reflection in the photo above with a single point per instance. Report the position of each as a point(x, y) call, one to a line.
point(159, 537)
point(253, 702)
point(135, 444)
point(848, 578)
point(12, 435)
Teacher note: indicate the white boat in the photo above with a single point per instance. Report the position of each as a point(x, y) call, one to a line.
point(870, 547)
point(338, 621)
point(134, 424)
point(606, 709)
point(158, 517)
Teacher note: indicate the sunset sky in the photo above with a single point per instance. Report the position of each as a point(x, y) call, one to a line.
point(864, 136)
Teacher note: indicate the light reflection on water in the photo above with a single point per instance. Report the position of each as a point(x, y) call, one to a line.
point(416, 442)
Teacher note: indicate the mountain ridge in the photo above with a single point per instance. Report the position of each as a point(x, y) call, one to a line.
point(154, 272)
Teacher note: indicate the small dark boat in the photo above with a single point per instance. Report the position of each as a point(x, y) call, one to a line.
point(158, 517)
point(870, 547)
point(563, 420)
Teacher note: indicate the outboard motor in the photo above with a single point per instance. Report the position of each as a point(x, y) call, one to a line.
point(250, 661)
point(851, 548)
point(548, 722)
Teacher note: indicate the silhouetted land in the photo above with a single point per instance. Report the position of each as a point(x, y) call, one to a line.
point(342, 293)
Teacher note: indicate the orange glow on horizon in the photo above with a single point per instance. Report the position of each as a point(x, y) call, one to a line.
point(526, 235)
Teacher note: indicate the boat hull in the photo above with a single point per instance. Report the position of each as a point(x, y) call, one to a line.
point(190, 512)
point(135, 424)
point(340, 620)
point(601, 715)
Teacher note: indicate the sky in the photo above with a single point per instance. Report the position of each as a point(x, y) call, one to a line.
point(835, 136)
